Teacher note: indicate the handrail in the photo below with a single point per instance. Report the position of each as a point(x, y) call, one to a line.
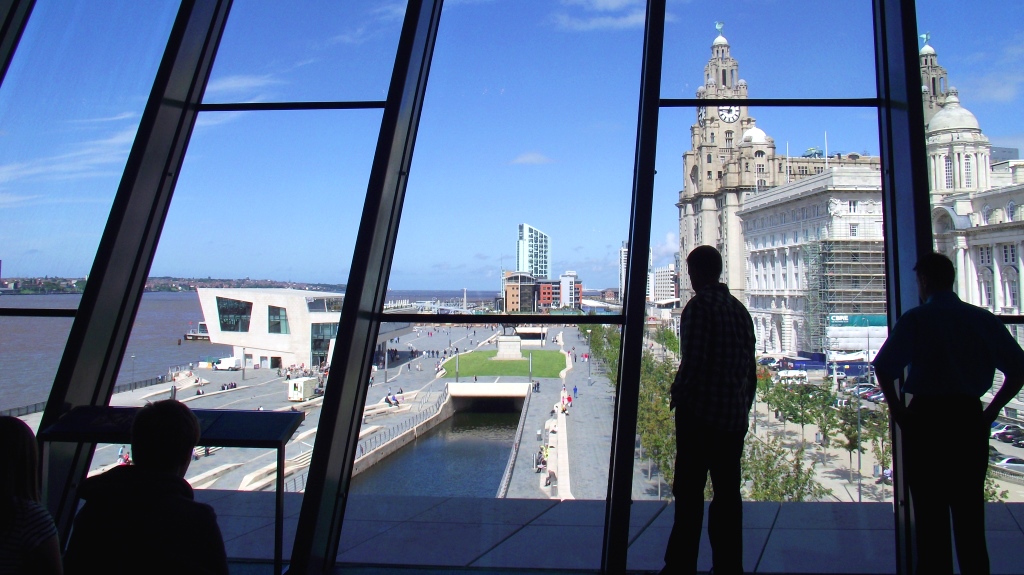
point(506, 478)
point(380, 438)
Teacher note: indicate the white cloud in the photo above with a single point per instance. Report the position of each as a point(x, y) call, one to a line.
point(87, 159)
point(355, 36)
point(531, 158)
point(9, 200)
point(240, 83)
point(603, 5)
point(393, 11)
point(634, 19)
point(665, 251)
point(115, 118)
point(992, 87)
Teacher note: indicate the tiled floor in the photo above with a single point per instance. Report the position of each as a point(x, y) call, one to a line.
point(435, 534)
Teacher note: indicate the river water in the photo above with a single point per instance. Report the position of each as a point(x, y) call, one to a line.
point(31, 348)
point(464, 456)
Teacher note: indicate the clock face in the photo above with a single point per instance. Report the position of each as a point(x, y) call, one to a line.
point(729, 113)
point(702, 114)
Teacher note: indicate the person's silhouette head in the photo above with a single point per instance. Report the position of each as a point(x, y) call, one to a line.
point(164, 434)
point(19, 474)
point(704, 265)
point(935, 273)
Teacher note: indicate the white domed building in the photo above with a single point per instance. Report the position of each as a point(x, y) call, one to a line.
point(977, 214)
point(958, 153)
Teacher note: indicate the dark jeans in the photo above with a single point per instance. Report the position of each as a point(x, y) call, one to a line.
point(700, 450)
point(946, 443)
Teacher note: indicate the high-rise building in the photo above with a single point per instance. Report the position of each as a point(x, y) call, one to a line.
point(623, 260)
point(664, 283)
point(533, 252)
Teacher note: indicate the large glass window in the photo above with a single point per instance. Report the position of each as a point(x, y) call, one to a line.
point(68, 125)
point(234, 314)
point(278, 319)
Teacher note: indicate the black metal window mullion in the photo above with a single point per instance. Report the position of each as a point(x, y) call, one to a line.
point(905, 202)
point(330, 471)
point(287, 106)
point(774, 102)
point(14, 16)
point(103, 321)
point(623, 444)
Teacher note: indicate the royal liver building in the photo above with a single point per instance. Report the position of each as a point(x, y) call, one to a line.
point(802, 236)
point(768, 215)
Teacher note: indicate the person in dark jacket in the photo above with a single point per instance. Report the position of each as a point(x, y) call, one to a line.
point(146, 511)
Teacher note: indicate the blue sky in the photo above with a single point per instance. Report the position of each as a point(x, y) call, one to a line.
point(530, 117)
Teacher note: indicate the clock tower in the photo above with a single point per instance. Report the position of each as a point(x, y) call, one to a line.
point(714, 167)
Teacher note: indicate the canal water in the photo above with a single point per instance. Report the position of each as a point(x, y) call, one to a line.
point(464, 456)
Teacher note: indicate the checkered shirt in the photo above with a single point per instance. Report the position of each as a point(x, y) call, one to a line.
point(717, 376)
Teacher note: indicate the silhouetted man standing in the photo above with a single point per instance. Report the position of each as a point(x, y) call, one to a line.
point(953, 349)
point(712, 395)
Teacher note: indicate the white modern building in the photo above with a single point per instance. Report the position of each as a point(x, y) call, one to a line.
point(664, 282)
point(533, 252)
point(273, 328)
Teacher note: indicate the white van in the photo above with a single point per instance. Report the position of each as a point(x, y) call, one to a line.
point(301, 388)
point(228, 363)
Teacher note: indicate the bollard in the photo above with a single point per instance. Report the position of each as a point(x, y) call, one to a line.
point(539, 437)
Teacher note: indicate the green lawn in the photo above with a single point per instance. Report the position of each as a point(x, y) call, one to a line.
point(545, 364)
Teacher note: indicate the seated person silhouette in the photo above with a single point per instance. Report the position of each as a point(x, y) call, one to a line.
point(142, 518)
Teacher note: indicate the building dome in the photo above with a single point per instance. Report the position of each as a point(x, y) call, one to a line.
point(742, 82)
point(755, 135)
point(720, 41)
point(701, 90)
point(927, 50)
point(952, 116)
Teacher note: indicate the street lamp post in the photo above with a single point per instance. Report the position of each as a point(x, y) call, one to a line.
point(243, 364)
point(589, 357)
point(133, 368)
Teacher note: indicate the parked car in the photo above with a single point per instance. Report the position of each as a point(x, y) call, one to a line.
point(1011, 463)
point(872, 391)
point(876, 397)
point(1010, 435)
point(860, 388)
point(994, 455)
point(1019, 442)
point(1003, 427)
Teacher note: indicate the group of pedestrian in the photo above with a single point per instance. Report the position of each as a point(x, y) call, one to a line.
point(949, 351)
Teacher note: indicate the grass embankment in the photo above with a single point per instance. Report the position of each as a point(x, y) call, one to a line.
point(545, 364)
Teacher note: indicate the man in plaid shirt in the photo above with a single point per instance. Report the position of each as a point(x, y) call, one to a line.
point(712, 394)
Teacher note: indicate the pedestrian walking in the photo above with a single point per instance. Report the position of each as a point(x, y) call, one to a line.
point(575, 391)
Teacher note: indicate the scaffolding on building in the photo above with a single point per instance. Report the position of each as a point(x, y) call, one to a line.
point(844, 276)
